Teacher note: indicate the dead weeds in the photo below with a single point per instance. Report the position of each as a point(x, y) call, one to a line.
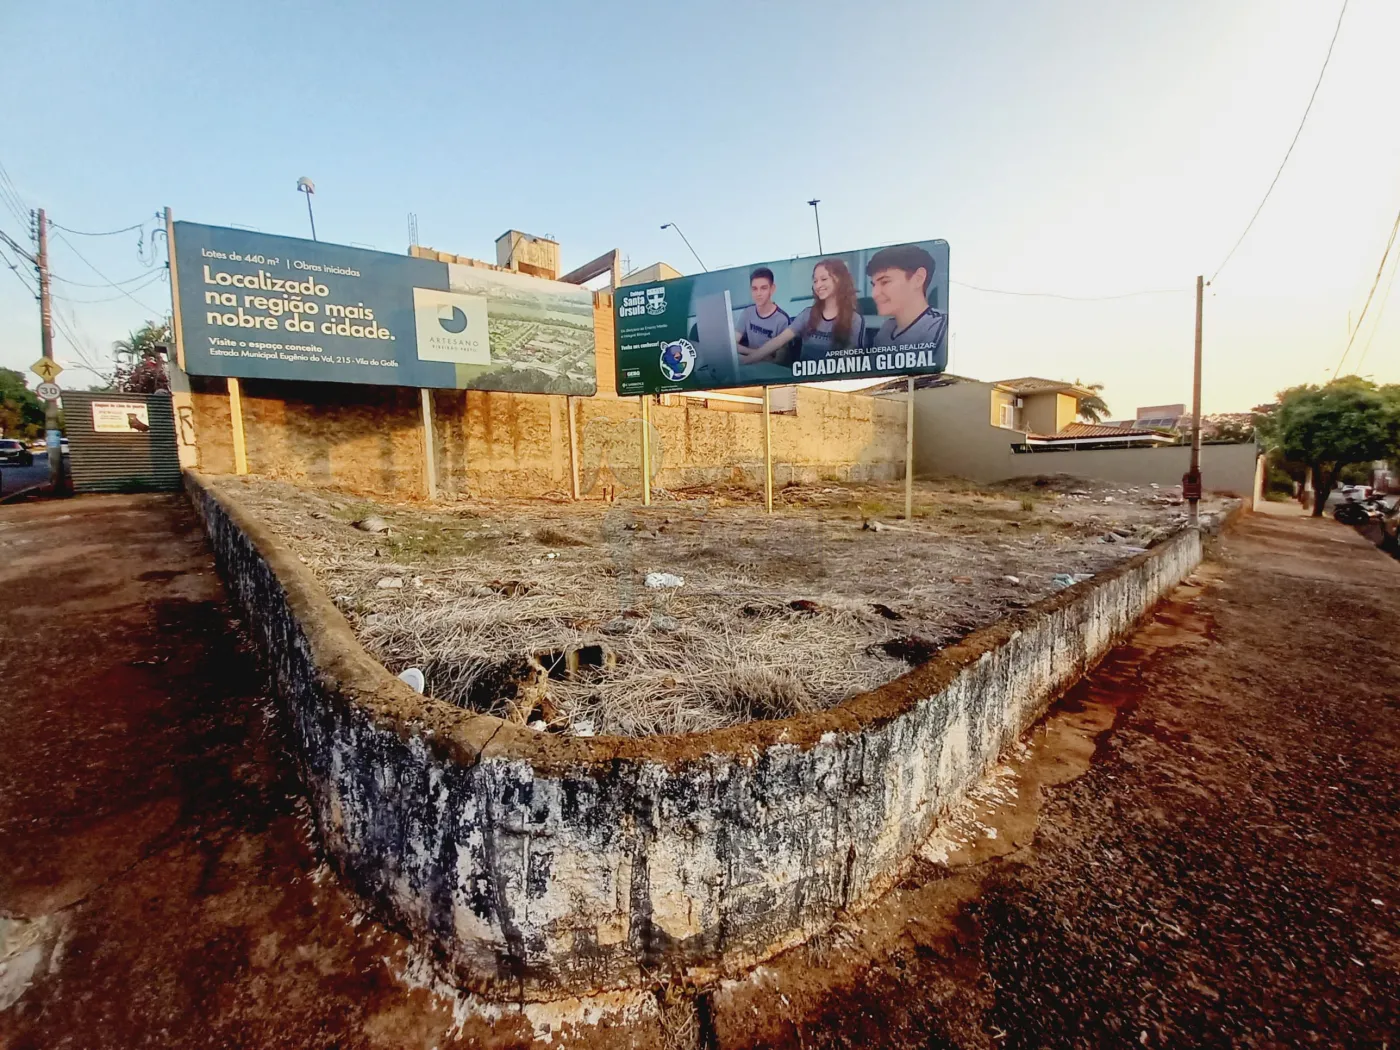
point(540, 612)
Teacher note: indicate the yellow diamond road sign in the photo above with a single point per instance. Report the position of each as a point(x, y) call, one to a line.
point(46, 368)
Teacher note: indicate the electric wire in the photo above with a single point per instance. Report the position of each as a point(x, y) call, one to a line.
point(104, 284)
point(1380, 315)
point(12, 198)
point(1071, 298)
point(151, 278)
point(20, 274)
point(14, 247)
point(1379, 270)
point(100, 233)
point(99, 273)
point(1296, 135)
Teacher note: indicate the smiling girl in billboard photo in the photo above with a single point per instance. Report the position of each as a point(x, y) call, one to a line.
point(833, 322)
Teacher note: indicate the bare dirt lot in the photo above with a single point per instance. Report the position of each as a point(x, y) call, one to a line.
point(1200, 846)
point(699, 611)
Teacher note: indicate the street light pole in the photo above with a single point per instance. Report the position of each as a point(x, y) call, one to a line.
point(816, 214)
point(308, 187)
point(1191, 484)
point(673, 226)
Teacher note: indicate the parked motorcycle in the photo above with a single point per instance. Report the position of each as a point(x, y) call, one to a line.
point(1363, 511)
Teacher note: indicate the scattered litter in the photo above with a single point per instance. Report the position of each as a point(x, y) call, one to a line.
point(660, 581)
point(1012, 579)
point(539, 725)
point(373, 523)
point(413, 678)
point(584, 728)
point(390, 583)
point(1062, 580)
point(880, 526)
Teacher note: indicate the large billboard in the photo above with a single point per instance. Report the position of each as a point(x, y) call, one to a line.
point(263, 307)
point(848, 315)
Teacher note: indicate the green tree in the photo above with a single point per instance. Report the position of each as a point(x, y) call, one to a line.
point(21, 411)
point(140, 365)
point(1092, 409)
point(1325, 429)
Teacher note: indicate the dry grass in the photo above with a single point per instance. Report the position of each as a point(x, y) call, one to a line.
point(537, 611)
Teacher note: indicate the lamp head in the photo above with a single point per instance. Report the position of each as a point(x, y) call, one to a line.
point(305, 185)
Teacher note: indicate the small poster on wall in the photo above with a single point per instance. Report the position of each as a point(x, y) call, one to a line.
point(120, 417)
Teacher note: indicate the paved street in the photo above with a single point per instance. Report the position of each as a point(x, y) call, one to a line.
point(13, 478)
point(1203, 848)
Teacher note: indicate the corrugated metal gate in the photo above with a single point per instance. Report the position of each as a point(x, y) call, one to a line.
point(121, 442)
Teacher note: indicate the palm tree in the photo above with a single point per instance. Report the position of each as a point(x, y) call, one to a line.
point(140, 369)
point(1092, 409)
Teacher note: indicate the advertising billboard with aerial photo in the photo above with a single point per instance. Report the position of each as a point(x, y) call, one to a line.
point(846, 315)
point(263, 307)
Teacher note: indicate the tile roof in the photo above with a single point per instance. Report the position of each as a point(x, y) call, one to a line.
point(1079, 431)
point(1036, 385)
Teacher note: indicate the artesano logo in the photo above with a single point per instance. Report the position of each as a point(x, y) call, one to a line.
point(452, 319)
point(451, 327)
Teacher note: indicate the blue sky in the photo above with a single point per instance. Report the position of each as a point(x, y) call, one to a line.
point(1085, 147)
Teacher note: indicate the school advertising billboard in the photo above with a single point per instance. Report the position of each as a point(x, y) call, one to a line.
point(258, 306)
point(847, 315)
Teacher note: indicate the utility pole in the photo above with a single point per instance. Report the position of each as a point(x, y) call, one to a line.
point(1191, 483)
point(816, 214)
point(53, 437)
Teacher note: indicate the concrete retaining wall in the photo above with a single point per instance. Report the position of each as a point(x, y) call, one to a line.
point(538, 865)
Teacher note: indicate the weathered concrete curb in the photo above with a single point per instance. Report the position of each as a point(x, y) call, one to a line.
point(538, 866)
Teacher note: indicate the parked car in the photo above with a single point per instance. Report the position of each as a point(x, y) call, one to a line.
point(12, 451)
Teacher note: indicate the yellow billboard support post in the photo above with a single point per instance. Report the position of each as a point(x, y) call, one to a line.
point(909, 452)
point(429, 442)
point(767, 453)
point(235, 416)
point(646, 451)
point(569, 412)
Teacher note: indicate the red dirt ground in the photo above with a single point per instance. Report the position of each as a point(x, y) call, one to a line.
point(1202, 848)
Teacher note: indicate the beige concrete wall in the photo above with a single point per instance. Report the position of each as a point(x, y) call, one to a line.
point(953, 435)
point(1224, 468)
point(1039, 414)
point(370, 438)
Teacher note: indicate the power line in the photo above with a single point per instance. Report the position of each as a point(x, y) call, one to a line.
point(101, 233)
point(1380, 315)
point(1308, 109)
point(20, 274)
point(105, 284)
point(99, 273)
point(12, 197)
point(14, 247)
point(1071, 298)
point(151, 278)
point(1379, 270)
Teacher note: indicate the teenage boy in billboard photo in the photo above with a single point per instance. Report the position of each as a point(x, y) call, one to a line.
point(765, 318)
point(833, 322)
point(899, 280)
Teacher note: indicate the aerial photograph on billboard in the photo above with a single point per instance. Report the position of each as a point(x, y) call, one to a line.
point(258, 306)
